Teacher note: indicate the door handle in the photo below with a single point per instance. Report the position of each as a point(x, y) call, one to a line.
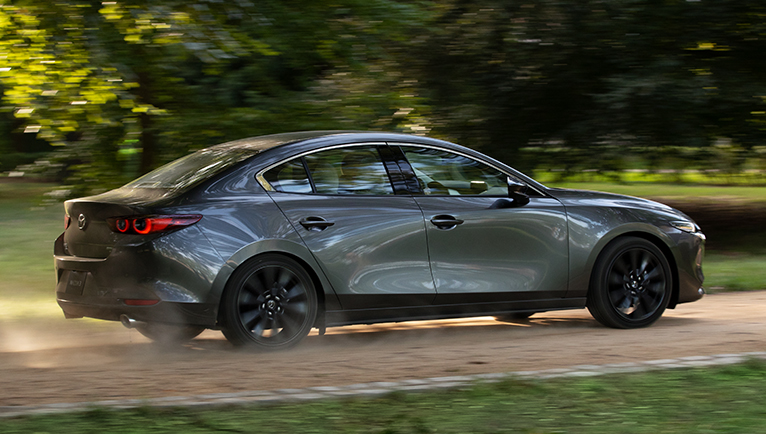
point(446, 221)
point(315, 223)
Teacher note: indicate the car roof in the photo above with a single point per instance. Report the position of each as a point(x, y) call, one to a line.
point(261, 143)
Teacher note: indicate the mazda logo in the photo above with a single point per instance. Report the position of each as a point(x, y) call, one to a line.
point(82, 222)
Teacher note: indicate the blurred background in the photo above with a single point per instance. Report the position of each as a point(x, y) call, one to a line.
point(661, 99)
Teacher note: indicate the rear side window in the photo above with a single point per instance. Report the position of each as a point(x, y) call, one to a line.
point(357, 170)
point(191, 169)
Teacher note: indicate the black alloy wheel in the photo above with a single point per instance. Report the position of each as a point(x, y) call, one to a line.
point(270, 302)
point(631, 284)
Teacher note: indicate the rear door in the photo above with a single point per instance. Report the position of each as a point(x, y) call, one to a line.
point(485, 254)
point(369, 240)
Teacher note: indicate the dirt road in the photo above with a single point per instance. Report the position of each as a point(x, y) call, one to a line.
point(76, 361)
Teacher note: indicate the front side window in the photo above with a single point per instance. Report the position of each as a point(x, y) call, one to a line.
point(357, 170)
point(444, 173)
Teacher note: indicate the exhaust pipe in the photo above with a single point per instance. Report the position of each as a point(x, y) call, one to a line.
point(129, 322)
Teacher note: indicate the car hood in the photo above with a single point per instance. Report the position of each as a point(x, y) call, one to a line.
point(570, 197)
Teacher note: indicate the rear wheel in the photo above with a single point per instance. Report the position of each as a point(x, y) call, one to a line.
point(631, 284)
point(270, 302)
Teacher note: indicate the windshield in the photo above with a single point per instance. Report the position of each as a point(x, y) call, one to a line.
point(191, 169)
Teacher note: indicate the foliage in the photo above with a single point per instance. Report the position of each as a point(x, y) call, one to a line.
point(123, 86)
point(120, 87)
point(598, 78)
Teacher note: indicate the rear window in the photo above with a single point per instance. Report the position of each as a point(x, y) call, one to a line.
point(191, 169)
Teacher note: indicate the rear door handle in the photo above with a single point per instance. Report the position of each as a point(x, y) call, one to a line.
point(315, 223)
point(445, 221)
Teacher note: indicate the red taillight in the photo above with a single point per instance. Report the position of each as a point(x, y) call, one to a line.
point(67, 222)
point(139, 302)
point(122, 225)
point(144, 225)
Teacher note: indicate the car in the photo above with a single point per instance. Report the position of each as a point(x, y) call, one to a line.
point(268, 237)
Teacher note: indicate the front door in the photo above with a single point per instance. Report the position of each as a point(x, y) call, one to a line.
point(485, 254)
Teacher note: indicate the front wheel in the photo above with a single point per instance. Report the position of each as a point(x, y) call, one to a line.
point(631, 284)
point(270, 302)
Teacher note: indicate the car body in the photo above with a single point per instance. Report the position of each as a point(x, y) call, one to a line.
point(268, 237)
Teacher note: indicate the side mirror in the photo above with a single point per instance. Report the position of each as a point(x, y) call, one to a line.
point(517, 192)
point(517, 196)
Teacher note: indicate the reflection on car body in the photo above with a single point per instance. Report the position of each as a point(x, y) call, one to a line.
point(268, 237)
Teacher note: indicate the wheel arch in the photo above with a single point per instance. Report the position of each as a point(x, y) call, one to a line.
point(297, 252)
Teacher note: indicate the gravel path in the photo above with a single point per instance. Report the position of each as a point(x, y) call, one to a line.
point(67, 362)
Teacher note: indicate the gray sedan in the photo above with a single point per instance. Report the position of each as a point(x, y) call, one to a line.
point(268, 237)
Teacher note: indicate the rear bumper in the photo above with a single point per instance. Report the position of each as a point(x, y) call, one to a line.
point(165, 312)
point(98, 287)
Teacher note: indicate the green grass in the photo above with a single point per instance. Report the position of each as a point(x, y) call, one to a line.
point(29, 224)
point(727, 399)
point(690, 178)
point(733, 271)
point(726, 194)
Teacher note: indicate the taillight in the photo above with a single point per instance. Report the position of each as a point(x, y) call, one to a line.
point(67, 221)
point(143, 225)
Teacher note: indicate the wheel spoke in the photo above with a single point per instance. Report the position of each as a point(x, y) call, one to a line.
point(634, 259)
point(617, 279)
point(656, 288)
point(262, 325)
point(655, 272)
point(284, 277)
point(641, 309)
point(254, 286)
point(622, 265)
point(649, 302)
point(296, 308)
point(644, 260)
point(250, 317)
point(296, 291)
point(289, 324)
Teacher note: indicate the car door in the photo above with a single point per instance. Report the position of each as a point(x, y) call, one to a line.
point(481, 250)
point(369, 241)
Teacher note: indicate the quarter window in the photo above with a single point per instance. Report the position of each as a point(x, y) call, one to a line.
point(289, 177)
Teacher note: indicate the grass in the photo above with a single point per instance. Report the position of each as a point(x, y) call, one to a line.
point(711, 193)
point(733, 271)
point(727, 399)
point(29, 224)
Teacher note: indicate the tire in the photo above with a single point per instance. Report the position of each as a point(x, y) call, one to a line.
point(270, 302)
point(631, 284)
point(169, 334)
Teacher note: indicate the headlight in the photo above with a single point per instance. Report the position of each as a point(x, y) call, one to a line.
point(686, 226)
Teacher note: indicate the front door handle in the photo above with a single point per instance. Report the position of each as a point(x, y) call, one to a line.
point(315, 223)
point(445, 221)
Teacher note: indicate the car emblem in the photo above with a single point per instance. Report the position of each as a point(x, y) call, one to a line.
point(82, 222)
